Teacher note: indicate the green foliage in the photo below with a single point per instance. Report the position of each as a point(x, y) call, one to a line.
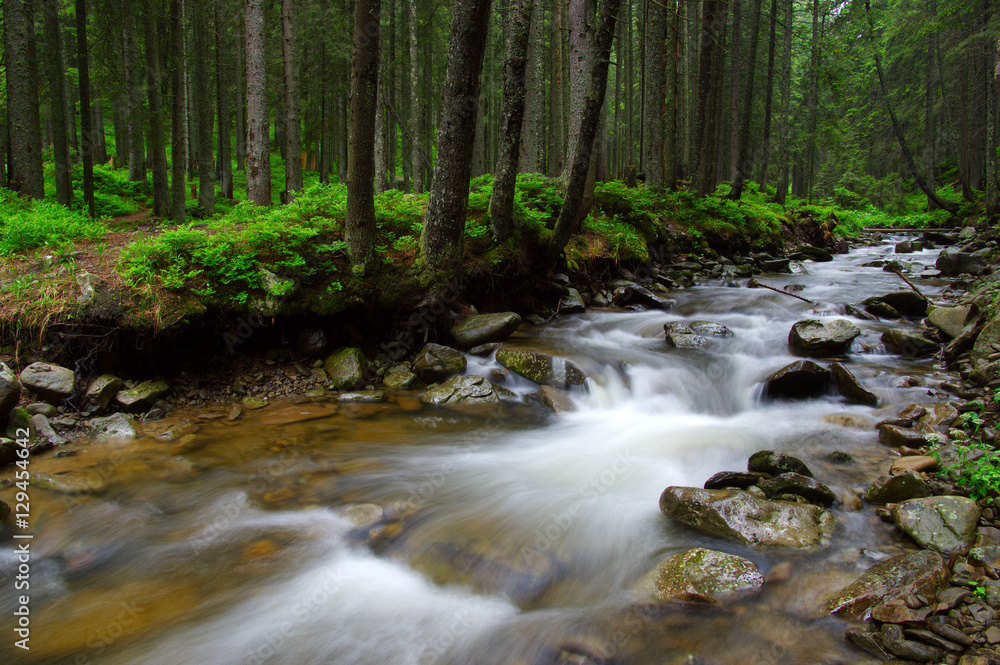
point(978, 469)
point(27, 224)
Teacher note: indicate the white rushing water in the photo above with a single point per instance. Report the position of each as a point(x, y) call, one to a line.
point(551, 524)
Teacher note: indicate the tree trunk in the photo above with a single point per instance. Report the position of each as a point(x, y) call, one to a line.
point(784, 158)
point(122, 139)
point(86, 123)
point(581, 58)
point(532, 134)
point(511, 117)
point(258, 147)
point(381, 149)
point(25, 166)
point(769, 97)
point(225, 160)
point(157, 140)
point(441, 241)
point(589, 121)
point(416, 105)
point(929, 129)
point(557, 139)
point(241, 116)
point(746, 107)
point(98, 137)
point(177, 117)
point(360, 230)
point(655, 82)
point(133, 100)
point(992, 55)
point(705, 125)
point(670, 129)
point(202, 85)
point(293, 123)
point(737, 83)
point(57, 103)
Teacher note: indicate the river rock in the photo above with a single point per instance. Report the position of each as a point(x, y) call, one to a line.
point(743, 517)
point(912, 463)
point(572, 303)
point(632, 294)
point(311, 340)
point(944, 524)
point(896, 488)
point(401, 378)
point(952, 263)
point(8, 451)
point(880, 309)
point(907, 302)
point(710, 329)
point(345, 368)
point(800, 380)
point(920, 573)
point(555, 399)
point(115, 426)
point(101, 391)
point(850, 387)
point(542, 368)
point(808, 488)
point(10, 390)
point(44, 431)
point(775, 463)
point(908, 247)
point(703, 576)
point(939, 416)
point(775, 265)
point(949, 320)
point(813, 337)
point(471, 389)
point(804, 252)
point(908, 344)
point(19, 419)
point(65, 484)
point(680, 336)
point(737, 479)
point(436, 362)
point(48, 381)
point(896, 436)
point(5, 521)
point(988, 337)
point(143, 396)
point(484, 328)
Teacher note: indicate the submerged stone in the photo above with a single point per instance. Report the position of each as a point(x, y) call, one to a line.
point(704, 576)
point(542, 368)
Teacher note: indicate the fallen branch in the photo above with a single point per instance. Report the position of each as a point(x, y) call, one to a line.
point(753, 284)
point(912, 286)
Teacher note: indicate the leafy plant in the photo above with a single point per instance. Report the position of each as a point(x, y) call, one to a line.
point(978, 469)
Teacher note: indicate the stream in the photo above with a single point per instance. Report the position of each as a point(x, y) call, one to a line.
point(509, 535)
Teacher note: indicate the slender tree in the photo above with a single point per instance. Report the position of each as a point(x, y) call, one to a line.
point(204, 15)
point(441, 238)
point(293, 123)
point(224, 168)
point(178, 127)
point(86, 125)
point(258, 154)
point(155, 126)
point(746, 106)
point(768, 96)
point(25, 162)
point(133, 97)
point(655, 82)
point(511, 117)
point(781, 192)
point(359, 231)
point(57, 103)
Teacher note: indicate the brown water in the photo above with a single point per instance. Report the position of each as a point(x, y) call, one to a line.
point(508, 536)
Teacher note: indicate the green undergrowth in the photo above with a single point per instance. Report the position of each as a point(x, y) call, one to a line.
point(26, 225)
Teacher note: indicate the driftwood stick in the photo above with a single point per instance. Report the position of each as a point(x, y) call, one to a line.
point(912, 286)
point(753, 284)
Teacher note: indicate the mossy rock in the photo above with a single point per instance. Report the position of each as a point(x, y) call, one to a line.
point(142, 397)
point(346, 368)
point(542, 368)
point(436, 362)
point(704, 576)
point(484, 328)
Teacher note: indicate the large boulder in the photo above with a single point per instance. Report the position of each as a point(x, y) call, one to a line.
point(484, 328)
point(631, 295)
point(988, 337)
point(952, 263)
point(555, 399)
point(143, 396)
point(799, 380)
point(572, 303)
point(101, 391)
point(901, 487)
point(470, 389)
point(908, 344)
point(944, 524)
point(808, 252)
point(10, 390)
point(896, 436)
point(878, 308)
point(703, 576)
point(741, 516)
point(796, 484)
point(542, 368)
point(774, 463)
point(915, 574)
point(693, 335)
point(115, 426)
point(816, 338)
point(436, 362)
point(850, 387)
point(48, 381)
point(908, 247)
point(949, 320)
point(906, 302)
point(345, 368)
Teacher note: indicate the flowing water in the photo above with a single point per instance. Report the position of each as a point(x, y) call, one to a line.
point(510, 535)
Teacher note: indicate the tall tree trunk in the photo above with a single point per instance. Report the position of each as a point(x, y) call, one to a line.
point(123, 140)
point(360, 230)
point(655, 82)
point(557, 140)
point(177, 117)
point(416, 105)
point(86, 123)
point(746, 107)
point(241, 116)
point(225, 160)
point(202, 85)
point(258, 147)
point(930, 136)
point(381, 149)
point(581, 15)
point(670, 129)
point(324, 117)
point(441, 241)
point(784, 157)
point(25, 166)
point(532, 134)
point(405, 95)
point(133, 100)
point(768, 97)
point(992, 55)
point(589, 121)
point(511, 117)
point(737, 81)
point(705, 126)
point(812, 103)
point(98, 136)
point(157, 140)
point(57, 103)
point(293, 123)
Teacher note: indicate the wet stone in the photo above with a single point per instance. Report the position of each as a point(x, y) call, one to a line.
point(796, 484)
point(774, 463)
point(893, 489)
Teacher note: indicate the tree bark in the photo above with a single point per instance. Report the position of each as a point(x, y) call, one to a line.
point(98, 137)
point(746, 107)
point(655, 82)
point(441, 241)
point(581, 58)
point(178, 125)
point(670, 129)
point(225, 160)
point(737, 83)
point(381, 149)
point(511, 117)
point(57, 103)
point(533, 131)
point(930, 136)
point(202, 85)
point(133, 100)
point(25, 165)
point(293, 122)
point(241, 116)
point(258, 146)
point(784, 158)
point(157, 140)
point(589, 121)
point(557, 139)
point(416, 105)
point(86, 123)
point(705, 125)
point(769, 97)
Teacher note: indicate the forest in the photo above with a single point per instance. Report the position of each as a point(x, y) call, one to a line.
point(174, 111)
